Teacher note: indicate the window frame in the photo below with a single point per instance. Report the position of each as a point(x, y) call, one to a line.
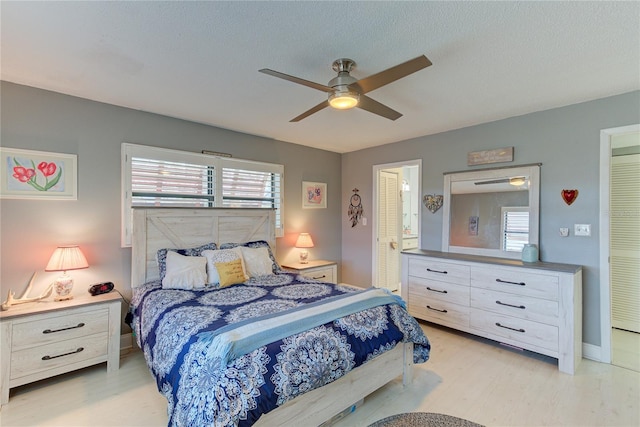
point(218, 163)
point(504, 212)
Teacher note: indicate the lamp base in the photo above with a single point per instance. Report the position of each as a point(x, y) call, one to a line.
point(304, 256)
point(63, 287)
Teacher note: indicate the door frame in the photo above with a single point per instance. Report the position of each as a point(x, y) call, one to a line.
point(605, 235)
point(374, 209)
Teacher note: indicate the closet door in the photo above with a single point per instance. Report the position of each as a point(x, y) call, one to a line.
point(625, 242)
point(388, 263)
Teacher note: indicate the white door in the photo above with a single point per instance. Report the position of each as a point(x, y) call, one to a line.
point(388, 230)
point(625, 261)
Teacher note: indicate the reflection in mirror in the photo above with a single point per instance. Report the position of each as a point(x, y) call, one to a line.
point(491, 212)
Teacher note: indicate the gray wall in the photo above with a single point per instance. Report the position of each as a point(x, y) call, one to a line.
point(47, 121)
point(565, 140)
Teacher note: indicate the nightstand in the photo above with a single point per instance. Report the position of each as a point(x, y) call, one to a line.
point(46, 338)
point(326, 271)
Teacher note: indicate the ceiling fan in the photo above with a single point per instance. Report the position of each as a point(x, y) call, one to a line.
point(346, 92)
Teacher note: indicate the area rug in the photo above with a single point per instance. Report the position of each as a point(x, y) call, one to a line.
point(423, 419)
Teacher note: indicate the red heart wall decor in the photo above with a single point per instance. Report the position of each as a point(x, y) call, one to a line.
point(569, 196)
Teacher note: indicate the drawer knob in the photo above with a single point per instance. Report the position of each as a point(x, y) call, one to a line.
point(513, 329)
point(511, 283)
point(437, 271)
point(437, 290)
point(51, 331)
point(511, 305)
point(319, 277)
point(435, 309)
point(47, 357)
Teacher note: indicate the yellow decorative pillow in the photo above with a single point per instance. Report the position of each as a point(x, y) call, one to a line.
point(231, 273)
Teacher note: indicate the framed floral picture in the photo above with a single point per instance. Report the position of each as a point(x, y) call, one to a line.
point(27, 174)
point(314, 195)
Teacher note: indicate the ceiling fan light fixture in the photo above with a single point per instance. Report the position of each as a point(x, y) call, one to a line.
point(343, 100)
point(517, 181)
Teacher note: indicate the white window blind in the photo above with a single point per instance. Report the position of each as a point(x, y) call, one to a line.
point(515, 228)
point(154, 176)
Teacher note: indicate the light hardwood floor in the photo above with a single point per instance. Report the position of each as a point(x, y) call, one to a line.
point(466, 377)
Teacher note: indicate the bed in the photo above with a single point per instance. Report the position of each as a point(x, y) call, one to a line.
point(271, 349)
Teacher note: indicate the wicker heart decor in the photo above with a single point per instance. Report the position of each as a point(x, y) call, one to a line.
point(432, 202)
point(569, 196)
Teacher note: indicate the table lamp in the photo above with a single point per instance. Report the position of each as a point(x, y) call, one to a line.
point(65, 258)
point(304, 241)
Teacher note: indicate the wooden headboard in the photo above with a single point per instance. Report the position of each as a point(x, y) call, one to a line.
point(157, 228)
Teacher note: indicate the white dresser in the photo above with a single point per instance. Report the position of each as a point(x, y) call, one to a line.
point(534, 306)
point(47, 338)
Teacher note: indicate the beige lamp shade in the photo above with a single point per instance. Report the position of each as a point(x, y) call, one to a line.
point(304, 241)
point(67, 258)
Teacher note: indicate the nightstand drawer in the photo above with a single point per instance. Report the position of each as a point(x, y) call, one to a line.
point(43, 358)
point(54, 329)
point(322, 274)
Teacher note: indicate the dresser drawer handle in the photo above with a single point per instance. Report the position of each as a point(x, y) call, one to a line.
point(435, 309)
point(437, 271)
point(511, 305)
point(50, 331)
point(513, 329)
point(65, 354)
point(319, 277)
point(436, 290)
point(511, 283)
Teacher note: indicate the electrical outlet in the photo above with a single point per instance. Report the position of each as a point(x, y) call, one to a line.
point(582, 229)
point(564, 231)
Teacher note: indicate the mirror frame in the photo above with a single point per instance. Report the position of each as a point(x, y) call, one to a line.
point(533, 171)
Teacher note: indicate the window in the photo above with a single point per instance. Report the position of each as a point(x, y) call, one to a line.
point(153, 176)
point(515, 228)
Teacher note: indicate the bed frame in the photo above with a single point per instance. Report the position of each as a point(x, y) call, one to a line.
point(156, 228)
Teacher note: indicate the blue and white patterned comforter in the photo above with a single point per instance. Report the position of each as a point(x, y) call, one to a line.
point(169, 324)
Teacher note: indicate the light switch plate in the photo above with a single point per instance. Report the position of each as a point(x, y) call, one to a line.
point(564, 231)
point(582, 229)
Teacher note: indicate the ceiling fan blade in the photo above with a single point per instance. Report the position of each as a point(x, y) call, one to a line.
point(375, 107)
point(391, 74)
point(323, 104)
point(298, 80)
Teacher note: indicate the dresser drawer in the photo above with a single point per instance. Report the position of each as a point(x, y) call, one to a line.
point(441, 271)
point(517, 330)
point(50, 356)
point(521, 306)
point(442, 313)
point(424, 290)
point(322, 274)
point(58, 328)
point(516, 281)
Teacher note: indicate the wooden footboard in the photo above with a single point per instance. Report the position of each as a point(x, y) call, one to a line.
point(317, 406)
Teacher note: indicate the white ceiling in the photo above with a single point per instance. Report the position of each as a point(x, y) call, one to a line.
point(199, 60)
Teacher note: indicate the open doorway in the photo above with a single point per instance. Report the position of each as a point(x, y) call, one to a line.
point(396, 215)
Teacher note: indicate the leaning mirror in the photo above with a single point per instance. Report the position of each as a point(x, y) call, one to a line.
point(492, 212)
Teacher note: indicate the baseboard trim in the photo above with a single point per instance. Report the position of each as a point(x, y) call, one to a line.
point(126, 342)
point(592, 352)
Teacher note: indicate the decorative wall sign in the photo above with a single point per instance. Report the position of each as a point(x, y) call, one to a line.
point(569, 196)
point(355, 208)
point(433, 202)
point(490, 156)
point(27, 174)
point(314, 195)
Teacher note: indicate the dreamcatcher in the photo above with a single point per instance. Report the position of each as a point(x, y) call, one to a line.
point(355, 208)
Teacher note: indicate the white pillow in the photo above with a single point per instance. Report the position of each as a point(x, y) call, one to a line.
point(256, 261)
point(185, 272)
point(221, 255)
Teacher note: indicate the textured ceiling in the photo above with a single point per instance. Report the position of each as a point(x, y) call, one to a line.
point(199, 60)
